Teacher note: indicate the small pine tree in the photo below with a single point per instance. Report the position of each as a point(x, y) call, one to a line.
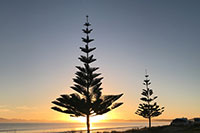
point(148, 109)
point(88, 101)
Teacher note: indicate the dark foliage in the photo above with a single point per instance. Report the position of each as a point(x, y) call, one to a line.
point(88, 101)
point(148, 109)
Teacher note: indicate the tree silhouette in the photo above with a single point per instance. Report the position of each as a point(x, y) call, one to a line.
point(147, 109)
point(88, 101)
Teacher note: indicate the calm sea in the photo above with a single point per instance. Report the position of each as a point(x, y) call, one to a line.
point(61, 127)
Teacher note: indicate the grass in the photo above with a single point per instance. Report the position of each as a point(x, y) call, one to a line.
point(193, 128)
point(164, 129)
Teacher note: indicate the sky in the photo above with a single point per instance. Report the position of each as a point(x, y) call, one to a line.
point(39, 49)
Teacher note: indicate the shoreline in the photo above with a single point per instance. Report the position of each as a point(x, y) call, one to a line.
point(107, 129)
point(70, 127)
point(193, 128)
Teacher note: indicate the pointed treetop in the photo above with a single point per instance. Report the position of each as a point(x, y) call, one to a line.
point(146, 75)
point(87, 22)
point(87, 18)
point(146, 81)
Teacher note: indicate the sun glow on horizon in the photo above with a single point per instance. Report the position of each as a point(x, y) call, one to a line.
point(93, 119)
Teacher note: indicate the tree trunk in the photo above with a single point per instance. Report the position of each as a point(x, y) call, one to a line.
point(88, 124)
point(149, 122)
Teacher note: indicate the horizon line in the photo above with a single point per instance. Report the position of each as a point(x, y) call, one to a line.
point(63, 121)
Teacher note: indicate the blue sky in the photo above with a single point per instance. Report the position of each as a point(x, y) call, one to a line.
point(39, 47)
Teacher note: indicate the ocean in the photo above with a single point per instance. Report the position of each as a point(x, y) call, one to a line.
point(61, 127)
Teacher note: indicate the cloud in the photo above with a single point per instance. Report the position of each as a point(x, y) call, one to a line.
point(26, 108)
point(5, 110)
point(2, 106)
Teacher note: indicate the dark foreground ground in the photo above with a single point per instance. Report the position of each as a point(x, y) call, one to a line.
point(164, 129)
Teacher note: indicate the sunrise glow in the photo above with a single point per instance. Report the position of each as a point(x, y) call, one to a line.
point(93, 119)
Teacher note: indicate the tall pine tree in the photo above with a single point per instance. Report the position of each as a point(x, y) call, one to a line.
point(148, 109)
point(88, 100)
